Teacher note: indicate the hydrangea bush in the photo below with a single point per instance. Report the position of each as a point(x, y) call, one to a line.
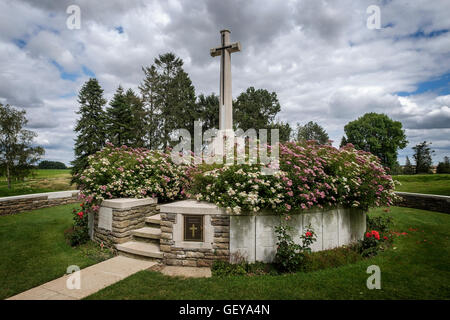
point(310, 175)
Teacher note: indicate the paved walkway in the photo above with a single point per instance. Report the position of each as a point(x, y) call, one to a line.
point(93, 279)
point(187, 272)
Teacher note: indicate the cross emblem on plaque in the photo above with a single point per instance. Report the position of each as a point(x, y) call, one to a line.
point(193, 229)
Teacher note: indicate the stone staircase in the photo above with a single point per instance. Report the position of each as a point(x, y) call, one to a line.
point(145, 242)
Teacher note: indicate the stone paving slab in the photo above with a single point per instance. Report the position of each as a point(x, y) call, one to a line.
point(93, 279)
point(187, 272)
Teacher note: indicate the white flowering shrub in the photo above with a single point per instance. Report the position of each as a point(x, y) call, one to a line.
point(310, 175)
point(125, 172)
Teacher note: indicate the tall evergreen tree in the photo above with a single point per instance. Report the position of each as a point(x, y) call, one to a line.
point(343, 142)
point(169, 98)
point(138, 124)
point(176, 97)
point(90, 128)
point(125, 116)
point(152, 107)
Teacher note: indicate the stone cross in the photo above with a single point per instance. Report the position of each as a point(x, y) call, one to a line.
point(226, 100)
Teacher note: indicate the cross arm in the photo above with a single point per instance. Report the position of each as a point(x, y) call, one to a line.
point(234, 47)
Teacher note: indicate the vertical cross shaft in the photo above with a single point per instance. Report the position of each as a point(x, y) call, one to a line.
point(226, 99)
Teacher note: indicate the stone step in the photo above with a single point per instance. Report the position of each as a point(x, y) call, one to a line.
point(145, 249)
point(155, 219)
point(147, 232)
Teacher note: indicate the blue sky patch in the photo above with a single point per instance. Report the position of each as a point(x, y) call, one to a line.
point(88, 72)
point(63, 74)
point(20, 43)
point(119, 29)
point(441, 86)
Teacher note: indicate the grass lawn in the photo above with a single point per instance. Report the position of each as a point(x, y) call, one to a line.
point(44, 180)
point(418, 268)
point(33, 249)
point(425, 183)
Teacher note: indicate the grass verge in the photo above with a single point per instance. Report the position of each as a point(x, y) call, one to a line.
point(33, 249)
point(43, 180)
point(416, 268)
point(424, 183)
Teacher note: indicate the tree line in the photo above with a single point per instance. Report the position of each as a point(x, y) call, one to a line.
point(166, 101)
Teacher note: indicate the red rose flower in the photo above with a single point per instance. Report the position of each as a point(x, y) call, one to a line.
point(80, 214)
point(368, 235)
point(376, 234)
point(308, 234)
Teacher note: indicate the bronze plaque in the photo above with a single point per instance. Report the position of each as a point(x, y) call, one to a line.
point(193, 228)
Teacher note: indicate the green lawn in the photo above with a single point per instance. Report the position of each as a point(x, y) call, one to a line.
point(425, 183)
point(43, 180)
point(33, 249)
point(418, 268)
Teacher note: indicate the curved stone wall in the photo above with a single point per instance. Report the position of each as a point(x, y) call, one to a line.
point(253, 237)
point(17, 204)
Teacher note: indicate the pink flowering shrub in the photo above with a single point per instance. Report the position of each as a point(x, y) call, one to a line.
point(310, 176)
point(124, 172)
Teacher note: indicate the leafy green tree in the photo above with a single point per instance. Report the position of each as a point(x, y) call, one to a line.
point(422, 156)
point(408, 169)
point(208, 109)
point(443, 167)
point(255, 109)
point(312, 131)
point(17, 153)
point(284, 132)
point(91, 127)
point(378, 134)
point(46, 164)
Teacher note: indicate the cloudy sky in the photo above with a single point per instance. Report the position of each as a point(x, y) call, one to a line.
point(320, 57)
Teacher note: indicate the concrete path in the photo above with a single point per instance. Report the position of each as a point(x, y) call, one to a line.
point(93, 279)
point(187, 272)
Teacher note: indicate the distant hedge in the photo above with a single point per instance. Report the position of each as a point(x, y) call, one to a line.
point(51, 165)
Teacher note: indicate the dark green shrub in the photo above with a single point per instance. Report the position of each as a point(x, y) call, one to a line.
point(224, 268)
point(79, 233)
point(380, 223)
point(290, 257)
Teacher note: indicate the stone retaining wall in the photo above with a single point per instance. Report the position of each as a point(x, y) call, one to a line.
point(217, 235)
point(424, 201)
point(253, 236)
point(16, 204)
point(117, 218)
point(248, 236)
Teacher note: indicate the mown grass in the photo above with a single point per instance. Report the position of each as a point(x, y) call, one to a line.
point(33, 249)
point(417, 267)
point(43, 180)
point(424, 183)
